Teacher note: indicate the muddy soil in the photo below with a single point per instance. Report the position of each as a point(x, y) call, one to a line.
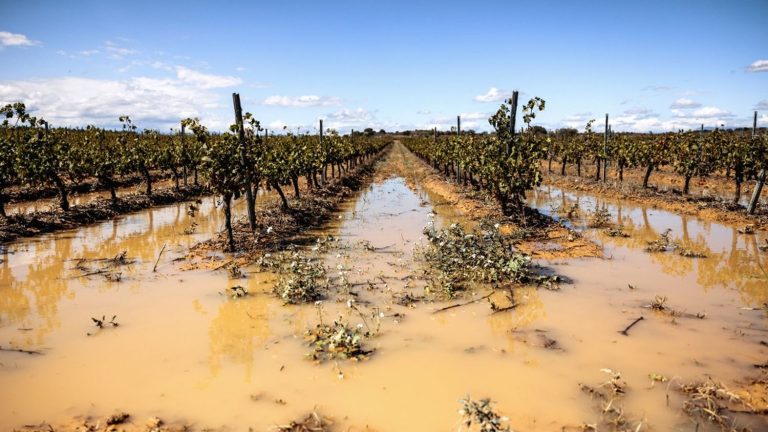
point(186, 348)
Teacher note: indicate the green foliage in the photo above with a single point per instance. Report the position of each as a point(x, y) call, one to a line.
point(504, 164)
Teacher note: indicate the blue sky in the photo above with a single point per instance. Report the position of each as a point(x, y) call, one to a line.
point(653, 65)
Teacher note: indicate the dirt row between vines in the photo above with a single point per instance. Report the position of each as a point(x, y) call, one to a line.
point(277, 228)
point(546, 239)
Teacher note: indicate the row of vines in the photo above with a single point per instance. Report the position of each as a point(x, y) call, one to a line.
point(507, 165)
point(33, 154)
point(739, 155)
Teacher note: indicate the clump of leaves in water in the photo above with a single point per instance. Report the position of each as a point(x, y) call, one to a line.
point(480, 414)
point(456, 258)
point(337, 341)
point(710, 401)
point(101, 323)
point(234, 271)
point(612, 414)
point(664, 243)
point(616, 232)
point(661, 244)
point(121, 259)
point(600, 218)
point(236, 292)
point(659, 303)
point(689, 253)
point(313, 422)
point(191, 228)
point(302, 278)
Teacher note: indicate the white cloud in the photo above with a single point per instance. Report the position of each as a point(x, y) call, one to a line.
point(301, 101)
point(277, 125)
point(762, 105)
point(709, 112)
point(116, 51)
point(151, 102)
point(15, 39)
point(684, 103)
point(658, 88)
point(639, 113)
point(239, 68)
point(346, 119)
point(474, 120)
point(494, 95)
point(758, 66)
point(578, 120)
point(206, 81)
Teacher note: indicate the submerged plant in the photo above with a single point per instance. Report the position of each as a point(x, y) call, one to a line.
point(659, 303)
point(313, 422)
point(234, 271)
point(661, 244)
point(480, 414)
point(456, 257)
point(101, 323)
point(600, 218)
point(302, 278)
point(616, 232)
point(612, 414)
point(710, 401)
point(236, 292)
point(337, 341)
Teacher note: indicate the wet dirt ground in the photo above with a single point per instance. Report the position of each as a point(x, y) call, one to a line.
point(183, 350)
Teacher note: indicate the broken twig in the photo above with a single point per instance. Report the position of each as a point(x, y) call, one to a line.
point(158, 257)
point(625, 332)
point(443, 309)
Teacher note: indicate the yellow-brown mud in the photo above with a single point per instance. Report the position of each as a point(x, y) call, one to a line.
point(185, 351)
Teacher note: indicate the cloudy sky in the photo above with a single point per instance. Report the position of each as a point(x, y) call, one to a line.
point(653, 65)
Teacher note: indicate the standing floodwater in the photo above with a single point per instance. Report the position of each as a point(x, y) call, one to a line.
point(184, 350)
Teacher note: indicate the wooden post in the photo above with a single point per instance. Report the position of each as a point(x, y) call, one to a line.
point(513, 113)
point(760, 177)
point(512, 121)
point(323, 173)
point(458, 125)
point(605, 149)
point(244, 160)
point(184, 167)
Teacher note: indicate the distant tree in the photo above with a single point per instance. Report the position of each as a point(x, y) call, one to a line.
point(369, 131)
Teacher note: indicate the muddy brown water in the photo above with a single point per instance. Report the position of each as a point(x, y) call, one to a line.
point(184, 351)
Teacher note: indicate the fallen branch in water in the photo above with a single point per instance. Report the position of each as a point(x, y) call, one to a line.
point(462, 304)
point(625, 332)
point(158, 257)
point(505, 308)
point(19, 350)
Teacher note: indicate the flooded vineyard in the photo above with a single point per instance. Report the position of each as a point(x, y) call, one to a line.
point(184, 346)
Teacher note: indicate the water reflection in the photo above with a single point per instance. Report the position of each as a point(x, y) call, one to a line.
point(37, 274)
point(733, 261)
